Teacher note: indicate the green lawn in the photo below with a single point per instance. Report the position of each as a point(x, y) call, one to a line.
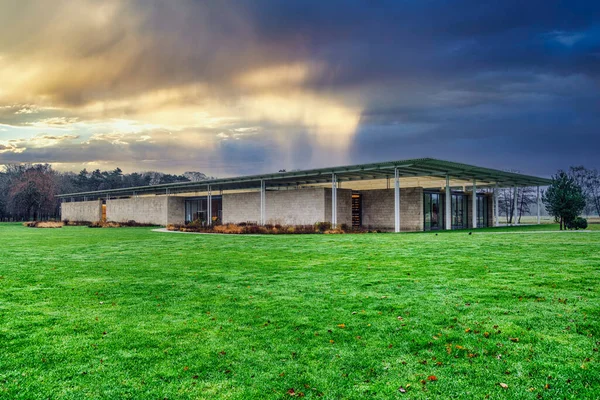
point(131, 313)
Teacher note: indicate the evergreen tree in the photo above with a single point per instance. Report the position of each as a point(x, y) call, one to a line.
point(564, 199)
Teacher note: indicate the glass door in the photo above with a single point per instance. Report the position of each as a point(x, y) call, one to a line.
point(459, 211)
point(482, 211)
point(433, 204)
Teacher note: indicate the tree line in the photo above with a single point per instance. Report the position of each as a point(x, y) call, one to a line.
point(28, 191)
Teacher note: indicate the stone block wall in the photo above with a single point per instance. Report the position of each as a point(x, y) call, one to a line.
point(241, 207)
point(90, 211)
point(378, 209)
point(176, 210)
point(157, 210)
point(296, 207)
point(286, 207)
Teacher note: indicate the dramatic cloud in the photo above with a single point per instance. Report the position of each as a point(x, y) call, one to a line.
point(233, 87)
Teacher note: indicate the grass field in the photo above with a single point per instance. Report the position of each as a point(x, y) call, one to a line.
point(131, 313)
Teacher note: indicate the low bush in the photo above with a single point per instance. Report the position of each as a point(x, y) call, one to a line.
point(76, 223)
point(249, 228)
point(44, 224)
point(323, 226)
point(113, 224)
point(580, 223)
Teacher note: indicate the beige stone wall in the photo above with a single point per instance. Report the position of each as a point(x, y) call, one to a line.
point(285, 207)
point(158, 210)
point(378, 209)
point(176, 210)
point(241, 207)
point(344, 206)
point(296, 207)
point(90, 211)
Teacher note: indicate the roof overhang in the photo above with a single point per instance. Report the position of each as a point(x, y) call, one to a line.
point(414, 168)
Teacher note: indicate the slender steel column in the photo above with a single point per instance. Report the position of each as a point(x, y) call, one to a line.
point(538, 206)
point(209, 207)
point(474, 200)
point(333, 201)
point(496, 211)
point(516, 206)
point(262, 202)
point(396, 200)
point(448, 204)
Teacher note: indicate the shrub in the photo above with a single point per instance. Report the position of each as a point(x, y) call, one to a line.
point(254, 229)
point(113, 224)
point(43, 224)
point(580, 223)
point(77, 223)
point(323, 226)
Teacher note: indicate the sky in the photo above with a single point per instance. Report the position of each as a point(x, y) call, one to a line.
point(254, 86)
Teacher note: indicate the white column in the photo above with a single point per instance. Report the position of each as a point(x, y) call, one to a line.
point(262, 201)
point(496, 211)
point(396, 200)
point(474, 200)
point(448, 204)
point(209, 207)
point(333, 201)
point(515, 206)
point(538, 205)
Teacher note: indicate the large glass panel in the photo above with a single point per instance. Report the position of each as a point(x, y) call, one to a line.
point(433, 211)
point(217, 209)
point(482, 211)
point(195, 210)
point(427, 211)
point(459, 211)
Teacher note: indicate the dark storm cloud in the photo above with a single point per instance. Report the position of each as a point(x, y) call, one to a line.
point(508, 83)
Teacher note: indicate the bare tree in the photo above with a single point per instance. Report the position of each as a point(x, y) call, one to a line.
point(526, 197)
point(589, 182)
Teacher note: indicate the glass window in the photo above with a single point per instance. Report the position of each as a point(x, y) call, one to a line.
point(459, 211)
point(433, 211)
point(482, 211)
point(196, 209)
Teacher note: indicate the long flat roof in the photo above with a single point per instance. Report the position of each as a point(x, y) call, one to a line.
point(418, 167)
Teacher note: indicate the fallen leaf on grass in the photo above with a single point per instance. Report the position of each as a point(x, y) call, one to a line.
point(503, 385)
point(514, 339)
point(432, 378)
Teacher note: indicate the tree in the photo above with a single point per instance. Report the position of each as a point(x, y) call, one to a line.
point(589, 181)
point(526, 197)
point(32, 192)
point(564, 199)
